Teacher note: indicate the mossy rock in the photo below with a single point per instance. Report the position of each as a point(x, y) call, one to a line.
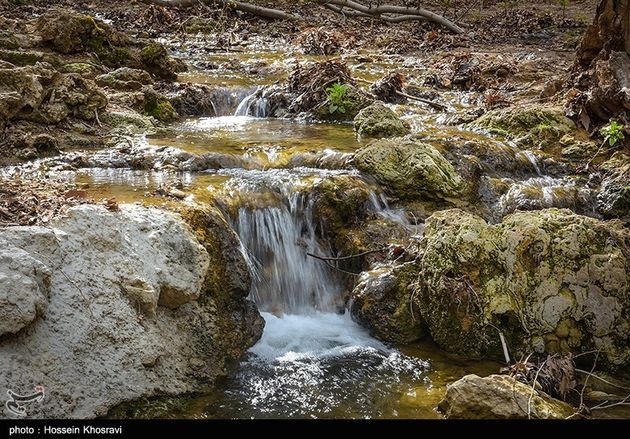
point(228, 280)
point(535, 126)
point(21, 57)
point(157, 106)
point(613, 200)
point(378, 120)
point(410, 169)
point(499, 397)
point(200, 25)
point(125, 79)
point(551, 281)
point(69, 32)
point(128, 122)
point(381, 301)
point(156, 60)
point(84, 69)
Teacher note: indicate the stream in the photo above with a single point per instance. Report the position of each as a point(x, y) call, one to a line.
point(313, 360)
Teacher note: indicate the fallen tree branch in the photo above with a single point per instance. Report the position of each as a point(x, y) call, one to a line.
point(402, 13)
point(260, 11)
point(387, 13)
point(433, 104)
point(597, 377)
point(344, 258)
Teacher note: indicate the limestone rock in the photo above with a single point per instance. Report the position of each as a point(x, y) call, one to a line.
point(70, 32)
point(377, 120)
point(549, 275)
point(105, 339)
point(528, 126)
point(499, 397)
point(381, 302)
point(125, 78)
point(410, 169)
point(24, 286)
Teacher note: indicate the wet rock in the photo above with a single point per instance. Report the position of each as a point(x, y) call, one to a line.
point(613, 201)
point(380, 302)
point(69, 32)
point(499, 397)
point(529, 276)
point(410, 169)
point(24, 288)
point(377, 120)
point(155, 60)
point(89, 71)
point(529, 126)
point(158, 106)
point(544, 192)
point(191, 99)
point(125, 78)
point(340, 202)
point(112, 343)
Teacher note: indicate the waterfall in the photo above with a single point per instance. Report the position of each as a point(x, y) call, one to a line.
point(277, 237)
point(226, 99)
point(255, 105)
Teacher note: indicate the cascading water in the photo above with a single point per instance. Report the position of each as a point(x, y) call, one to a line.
point(255, 105)
point(278, 238)
point(313, 360)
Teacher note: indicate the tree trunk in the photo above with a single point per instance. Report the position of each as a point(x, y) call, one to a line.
point(610, 32)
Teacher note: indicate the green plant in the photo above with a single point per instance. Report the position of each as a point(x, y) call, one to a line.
point(613, 133)
point(337, 96)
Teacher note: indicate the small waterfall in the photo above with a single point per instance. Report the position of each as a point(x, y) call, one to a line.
point(378, 203)
point(277, 237)
point(533, 160)
point(544, 192)
point(255, 105)
point(226, 99)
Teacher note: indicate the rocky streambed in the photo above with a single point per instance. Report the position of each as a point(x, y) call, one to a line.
point(241, 243)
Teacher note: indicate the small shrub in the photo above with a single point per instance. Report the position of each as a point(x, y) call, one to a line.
point(613, 133)
point(338, 103)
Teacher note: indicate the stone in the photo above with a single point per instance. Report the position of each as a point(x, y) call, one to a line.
point(410, 169)
point(613, 200)
point(378, 120)
point(70, 32)
point(125, 78)
point(533, 126)
point(499, 397)
point(24, 288)
point(549, 273)
point(106, 339)
point(381, 302)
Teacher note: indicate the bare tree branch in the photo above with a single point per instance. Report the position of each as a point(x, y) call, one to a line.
point(239, 6)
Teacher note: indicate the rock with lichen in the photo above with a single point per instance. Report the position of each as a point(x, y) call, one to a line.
point(378, 120)
point(499, 397)
point(70, 32)
point(551, 281)
point(532, 126)
point(613, 200)
point(410, 169)
point(381, 302)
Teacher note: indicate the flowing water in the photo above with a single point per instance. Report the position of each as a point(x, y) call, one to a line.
point(313, 360)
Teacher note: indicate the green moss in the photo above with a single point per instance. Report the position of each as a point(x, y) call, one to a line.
point(21, 58)
point(153, 52)
point(532, 126)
